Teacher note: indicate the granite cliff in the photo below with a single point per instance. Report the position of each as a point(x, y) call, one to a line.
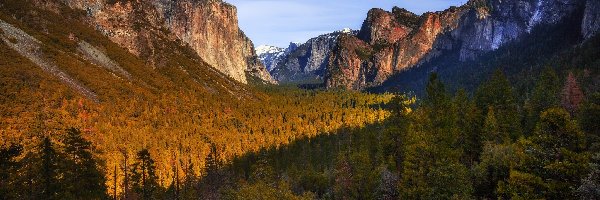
point(209, 27)
point(392, 42)
point(304, 62)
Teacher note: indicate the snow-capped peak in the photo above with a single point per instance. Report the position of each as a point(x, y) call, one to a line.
point(267, 49)
point(346, 30)
point(270, 55)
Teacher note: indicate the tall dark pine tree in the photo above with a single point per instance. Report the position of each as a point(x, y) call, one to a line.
point(436, 93)
point(555, 161)
point(83, 178)
point(143, 176)
point(544, 96)
point(8, 171)
point(190, 185)
point(211, 182)
point(469, 126)
point(49, 183)
point(431, 166)
point(589, 117)
point(497, 94)
point(125, 168)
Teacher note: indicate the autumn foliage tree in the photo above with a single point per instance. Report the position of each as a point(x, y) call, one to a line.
point(571, 96)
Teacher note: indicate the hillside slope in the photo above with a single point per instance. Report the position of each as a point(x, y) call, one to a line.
point(54, 77)
point(209, 27)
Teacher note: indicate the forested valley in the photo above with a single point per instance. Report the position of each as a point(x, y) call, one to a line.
point(92, 113)
point(445, 146)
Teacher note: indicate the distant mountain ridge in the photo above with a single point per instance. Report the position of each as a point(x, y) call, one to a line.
point(301, 62)
point(271, 55)
point(391, 42)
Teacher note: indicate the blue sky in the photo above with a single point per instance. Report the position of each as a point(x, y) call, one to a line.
point(278, 22)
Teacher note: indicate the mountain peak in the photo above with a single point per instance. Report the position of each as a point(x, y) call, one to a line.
point(346, 30)
point(263, 49)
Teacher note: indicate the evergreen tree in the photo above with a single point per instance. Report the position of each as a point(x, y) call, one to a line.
point(491, 131)
point(554, 161)
point(394, 132)
point(189, 189)
point(544, 96)
point(211, 182)
point(83, 177)
point(436, 98)
point(589, 119)
point(498, 94)
point(432, 167)
point(143, 176)
point(469, 127)
point(494, 166)
point(9, 166)
point(44, 174)
point(50, 171)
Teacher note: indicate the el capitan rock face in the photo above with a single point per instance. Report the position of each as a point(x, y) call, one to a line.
point(210, 27)
point(391, 42)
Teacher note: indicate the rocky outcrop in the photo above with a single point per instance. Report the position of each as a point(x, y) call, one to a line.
point(591, 19)
point(388, 42)
point(210, 27)
point(391, 42)
point(306, 62)
point(348, 67)
point(490, 24)
point(30, 48)
point(270, 55)
point(99, 58)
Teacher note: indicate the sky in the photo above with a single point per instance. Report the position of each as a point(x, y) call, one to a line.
point(279, 22)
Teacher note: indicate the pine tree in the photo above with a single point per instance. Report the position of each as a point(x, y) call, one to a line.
point(432, 167)
point(469, 127)
point(190, 186)
point(125, 168)
point(555, 161)
point(9, 166)
point(491, 131)
point(436, 93)
point(495, 163)
point(83, 177)
point(498, 94)
point(50, 185)
point(589, 118)
point(212, 181)
point(143, 176)
point(544, 96)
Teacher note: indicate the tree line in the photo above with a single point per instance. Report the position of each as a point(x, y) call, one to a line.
point(444, 146)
